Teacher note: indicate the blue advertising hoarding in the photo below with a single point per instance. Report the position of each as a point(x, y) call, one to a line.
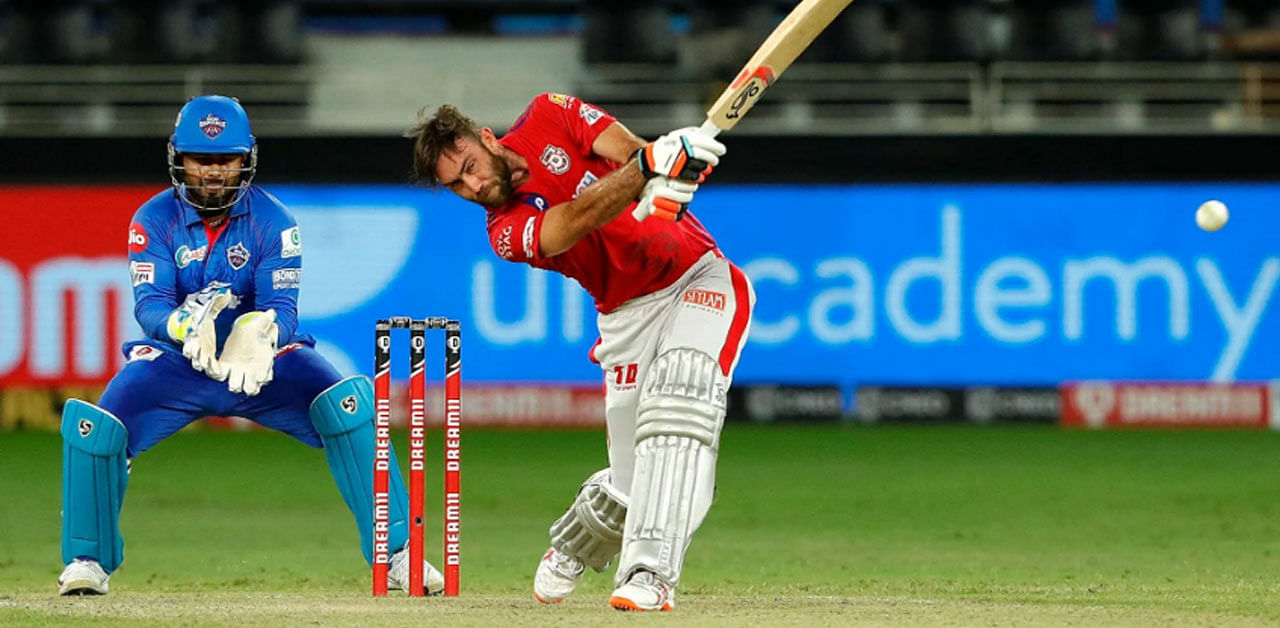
point(898, 284)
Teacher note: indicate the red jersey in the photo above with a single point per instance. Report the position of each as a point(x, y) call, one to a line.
point(619, 261)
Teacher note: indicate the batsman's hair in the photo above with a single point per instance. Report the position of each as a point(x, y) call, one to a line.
point(435, 133)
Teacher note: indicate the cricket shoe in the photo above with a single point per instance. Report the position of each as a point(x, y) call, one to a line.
point(557, 576)
point(398, 574)
point(643, 591)
point(83, 577)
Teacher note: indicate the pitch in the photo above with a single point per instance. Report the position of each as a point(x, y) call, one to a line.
point(812, 525)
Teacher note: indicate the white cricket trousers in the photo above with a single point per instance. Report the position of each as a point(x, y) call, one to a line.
point(708, 308)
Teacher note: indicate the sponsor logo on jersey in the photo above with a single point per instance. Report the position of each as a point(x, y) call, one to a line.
point(237, 256)
point(137, 238)
point(555, 159)
point(185, 255)
point(705, 299)
point(144, 353)
point(212, 126)
point(587, 179)
point(526, 239)
point(290, 242)
point(560, 99)
point(535, 201)
point(286, 279)
point(142, 272)
point(504, 242)
point(589, 113)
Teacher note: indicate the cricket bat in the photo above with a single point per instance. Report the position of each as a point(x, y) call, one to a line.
point(770, 60)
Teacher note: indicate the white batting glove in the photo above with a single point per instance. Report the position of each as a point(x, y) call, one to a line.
point(249, 355)
point(665, 198)
point(194, 325)
point(688, 154)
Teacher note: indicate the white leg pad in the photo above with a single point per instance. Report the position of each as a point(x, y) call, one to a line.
point(678, 426)
point(591, 530)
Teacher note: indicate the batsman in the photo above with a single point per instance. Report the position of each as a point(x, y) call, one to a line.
point(216, 264)
point(559, 189)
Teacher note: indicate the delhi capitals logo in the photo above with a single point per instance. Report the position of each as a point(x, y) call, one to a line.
point(212, 126)
point(238, 256)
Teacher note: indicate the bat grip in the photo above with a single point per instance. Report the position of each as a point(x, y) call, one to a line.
point(709, 128)
point(643, 208)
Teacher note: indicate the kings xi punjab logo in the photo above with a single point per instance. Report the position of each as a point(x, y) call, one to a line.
point(555, 159)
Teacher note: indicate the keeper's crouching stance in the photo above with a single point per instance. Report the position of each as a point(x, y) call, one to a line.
point(559, 189)
point(216, 265)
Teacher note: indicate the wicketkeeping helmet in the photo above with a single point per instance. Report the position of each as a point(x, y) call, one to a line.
point(212, 125)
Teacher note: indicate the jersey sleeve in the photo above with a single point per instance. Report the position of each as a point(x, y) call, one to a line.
point(278, 276)
point(154, 274)
point(514, 232)
point(582, 121)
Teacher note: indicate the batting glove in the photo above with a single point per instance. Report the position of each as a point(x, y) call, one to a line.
point(249, 356)
point(687, 154)
point(665, 198)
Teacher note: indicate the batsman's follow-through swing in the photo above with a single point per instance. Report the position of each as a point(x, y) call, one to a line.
point(674, 313)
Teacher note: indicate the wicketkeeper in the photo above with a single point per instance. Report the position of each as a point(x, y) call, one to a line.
point(216, 265)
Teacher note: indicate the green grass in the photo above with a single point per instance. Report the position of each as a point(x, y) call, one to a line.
point(878, 526)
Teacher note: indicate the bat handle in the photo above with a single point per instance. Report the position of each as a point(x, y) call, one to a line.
point(643, 208)
point(709, 128)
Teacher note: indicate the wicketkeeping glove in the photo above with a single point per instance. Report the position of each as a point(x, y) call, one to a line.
point(193, 325)
point(665, 198)
point(688, 154)
point(249, 355)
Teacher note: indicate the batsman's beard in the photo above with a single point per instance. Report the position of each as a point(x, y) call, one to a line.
point(497, 192)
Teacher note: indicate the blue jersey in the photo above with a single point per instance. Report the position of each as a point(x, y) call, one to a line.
point(173, 253)
point(257, 253)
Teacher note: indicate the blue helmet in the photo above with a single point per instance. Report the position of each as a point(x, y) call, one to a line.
point(212, 125)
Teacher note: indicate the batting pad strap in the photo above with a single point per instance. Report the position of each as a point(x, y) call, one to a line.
point(684, 395)
point(591, 530)
point(344, 406)
point(94, 477)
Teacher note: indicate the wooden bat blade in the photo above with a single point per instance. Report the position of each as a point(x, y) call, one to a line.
point(772, 58)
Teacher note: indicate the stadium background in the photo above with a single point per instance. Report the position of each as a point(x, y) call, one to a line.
point(968, 211)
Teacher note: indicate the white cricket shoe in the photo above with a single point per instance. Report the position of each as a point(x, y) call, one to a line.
point(83, 577)
point(643, 591)
point(398, 574)
point(557, 576)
